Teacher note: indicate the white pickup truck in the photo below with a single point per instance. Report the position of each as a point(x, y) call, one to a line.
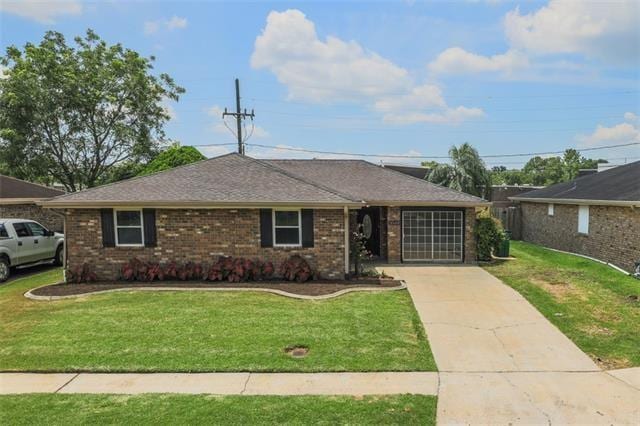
point(24, 242)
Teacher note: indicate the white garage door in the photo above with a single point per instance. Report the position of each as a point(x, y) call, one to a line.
point(432, 236)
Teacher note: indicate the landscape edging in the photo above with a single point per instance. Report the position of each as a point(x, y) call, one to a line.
point(402, 286)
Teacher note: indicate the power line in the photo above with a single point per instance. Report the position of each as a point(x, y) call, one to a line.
point(530, 154)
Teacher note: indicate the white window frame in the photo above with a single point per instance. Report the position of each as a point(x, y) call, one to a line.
point(551, 209)
point(583, 220)
point(273, 226)
point(116, 226)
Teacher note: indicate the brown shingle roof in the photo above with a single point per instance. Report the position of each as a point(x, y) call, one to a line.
point(227, 179)
point(236, 179)
point(366, 181)
point(13, 188)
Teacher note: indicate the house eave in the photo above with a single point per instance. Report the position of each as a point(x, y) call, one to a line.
point(193, 204)
point(429, 203)
point(14, 201)
point(621, 203)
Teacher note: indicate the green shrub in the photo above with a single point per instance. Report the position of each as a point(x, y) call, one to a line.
point(489, 235)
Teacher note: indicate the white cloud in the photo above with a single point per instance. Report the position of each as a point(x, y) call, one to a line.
point(215, 151)
point(3, 72)
point(44, 12)
point(621, 133)
point(174, 23)
point(456, 60)
point(606, 31)
point(603, 30)
point(319, 71)
point(169, 109)
point(333, 70)
point(449, 116)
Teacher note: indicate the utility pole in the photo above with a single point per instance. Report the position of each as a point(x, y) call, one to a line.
point(239, 115)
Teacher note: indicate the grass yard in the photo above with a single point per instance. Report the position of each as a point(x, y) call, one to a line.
point(198, 409)
point(202, 331)
point(594, 305)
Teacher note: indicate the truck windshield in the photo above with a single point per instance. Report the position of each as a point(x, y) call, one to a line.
point(3, 232)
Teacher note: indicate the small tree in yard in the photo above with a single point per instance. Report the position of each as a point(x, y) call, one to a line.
point(489, 235)
point(359, 252)
point(72, 113)
point(173, 156)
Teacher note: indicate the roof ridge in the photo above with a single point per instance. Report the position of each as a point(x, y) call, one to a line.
point(424, 181)
point(305, 180)
point(149, 175)
point(32, 183)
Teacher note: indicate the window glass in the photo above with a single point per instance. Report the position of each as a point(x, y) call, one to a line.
point(128, 218)
point(129, 227)
point(286, 218)
point(286, 226)
point(129, 236)
point(3, 232)
point(36, 229)
point(21, 230)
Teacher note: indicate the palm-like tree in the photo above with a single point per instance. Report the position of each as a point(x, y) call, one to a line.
point(467, 172)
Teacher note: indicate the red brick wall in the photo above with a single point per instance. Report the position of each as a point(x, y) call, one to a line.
point(614, 232)
point(394, 235)
point(201, 236)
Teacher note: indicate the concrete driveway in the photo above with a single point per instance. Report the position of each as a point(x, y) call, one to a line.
point(501, 361)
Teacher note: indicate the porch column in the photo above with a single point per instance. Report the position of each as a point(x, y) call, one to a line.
point(346, 242)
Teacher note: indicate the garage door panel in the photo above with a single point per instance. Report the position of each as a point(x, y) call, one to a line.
point(432, 235)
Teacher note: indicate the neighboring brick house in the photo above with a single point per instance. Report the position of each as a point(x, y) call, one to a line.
point(18, 200)
point(597, 215)
point(268, 209)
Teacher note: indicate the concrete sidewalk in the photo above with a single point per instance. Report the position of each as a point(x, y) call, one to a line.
point(425, 383)
point(502, 362)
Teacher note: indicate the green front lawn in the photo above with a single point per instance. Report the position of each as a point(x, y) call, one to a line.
point(594, 305)
point(202, 409)
point(208, 331)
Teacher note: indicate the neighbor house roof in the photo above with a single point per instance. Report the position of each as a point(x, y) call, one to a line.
point(617, 186)
point(238, 180)
point(375, 184)
point(415, 171)
point(15, 191)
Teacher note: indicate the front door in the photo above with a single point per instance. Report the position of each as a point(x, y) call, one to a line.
point(432, 235)
point(369, 220)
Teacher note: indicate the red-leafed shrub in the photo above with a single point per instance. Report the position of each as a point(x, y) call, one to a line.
point(134, 270)
point(297, 269)
point(155, 272)
point(82, 274)
point(238, 269)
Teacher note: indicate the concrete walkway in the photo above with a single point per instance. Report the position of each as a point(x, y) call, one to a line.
point(424, 383)
point(502, 362)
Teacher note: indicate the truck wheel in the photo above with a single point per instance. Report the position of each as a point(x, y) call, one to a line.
point(58, 259)
point(5, 271)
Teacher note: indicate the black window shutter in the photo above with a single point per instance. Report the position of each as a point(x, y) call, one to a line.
point(149, 220)
point(307, 228)
point(266, 228)
point(108, 232)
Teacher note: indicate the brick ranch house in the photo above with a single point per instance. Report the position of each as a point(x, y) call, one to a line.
point(597, 215)
point(269, 209)
point(18, 200)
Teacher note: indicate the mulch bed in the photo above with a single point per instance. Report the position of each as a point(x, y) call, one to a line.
point(310, 288)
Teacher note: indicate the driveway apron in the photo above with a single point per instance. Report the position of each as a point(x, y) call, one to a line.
point(501, 361)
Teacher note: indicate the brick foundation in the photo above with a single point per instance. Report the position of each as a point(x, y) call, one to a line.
point(202, 236)
point(614, 232)
point(45, 217)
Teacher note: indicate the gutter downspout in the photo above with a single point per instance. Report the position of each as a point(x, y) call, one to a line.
point(346, 242)
point(64, 243)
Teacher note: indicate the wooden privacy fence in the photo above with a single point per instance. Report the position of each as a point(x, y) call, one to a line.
point(511, 219)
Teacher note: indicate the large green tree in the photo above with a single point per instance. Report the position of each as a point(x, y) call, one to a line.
point(72, 113)
point(467, 172)
point(173, 156)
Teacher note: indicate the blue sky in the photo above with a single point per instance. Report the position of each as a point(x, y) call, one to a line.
point(388, 78)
